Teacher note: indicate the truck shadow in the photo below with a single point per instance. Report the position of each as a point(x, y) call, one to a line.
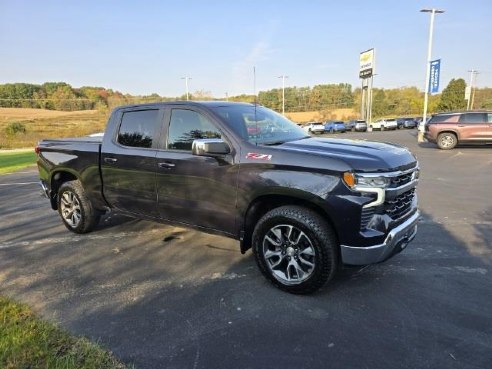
point(198, 303)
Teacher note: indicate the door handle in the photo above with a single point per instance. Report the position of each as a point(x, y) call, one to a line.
point(110, 160)
point(166, 165)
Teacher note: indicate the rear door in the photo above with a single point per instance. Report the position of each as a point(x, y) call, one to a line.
point(489, 121)
point(128, 161)
point(474, 127)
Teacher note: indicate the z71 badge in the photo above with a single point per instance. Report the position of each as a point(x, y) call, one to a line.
point(256, 156)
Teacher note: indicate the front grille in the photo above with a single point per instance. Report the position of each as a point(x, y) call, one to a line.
point(400, 205)
point(401, 180)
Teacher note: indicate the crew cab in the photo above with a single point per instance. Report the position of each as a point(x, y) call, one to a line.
point(306, 206)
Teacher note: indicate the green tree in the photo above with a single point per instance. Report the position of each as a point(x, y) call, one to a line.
point(453, 96)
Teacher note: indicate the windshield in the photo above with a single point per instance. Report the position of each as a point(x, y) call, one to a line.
point(260, 125)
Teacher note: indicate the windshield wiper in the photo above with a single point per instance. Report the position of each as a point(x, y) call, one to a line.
point(280, 142)
point(273, 143)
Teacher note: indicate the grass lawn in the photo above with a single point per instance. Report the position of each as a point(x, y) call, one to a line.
point(28, 342)
point(15, 160)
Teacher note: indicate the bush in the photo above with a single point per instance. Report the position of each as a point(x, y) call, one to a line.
point(15, 127)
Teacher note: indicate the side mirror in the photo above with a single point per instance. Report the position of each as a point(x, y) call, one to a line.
point(210, 147)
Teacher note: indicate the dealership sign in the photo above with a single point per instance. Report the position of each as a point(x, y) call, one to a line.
point(366, 63)
point(435, 71)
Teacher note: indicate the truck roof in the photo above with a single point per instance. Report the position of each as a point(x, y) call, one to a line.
point(211, 104)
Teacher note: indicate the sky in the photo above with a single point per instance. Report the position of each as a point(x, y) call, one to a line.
point(144, 47)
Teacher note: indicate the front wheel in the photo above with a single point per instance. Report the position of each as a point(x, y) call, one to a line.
point(295, 248)
point(75, 208)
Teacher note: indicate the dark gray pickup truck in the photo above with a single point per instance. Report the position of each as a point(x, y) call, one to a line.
point(305, 205)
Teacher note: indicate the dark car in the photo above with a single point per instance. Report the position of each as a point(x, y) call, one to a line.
point(406, 123)
point(451, 129)
point(356, 125)
point(305, 205)
point(335, 126)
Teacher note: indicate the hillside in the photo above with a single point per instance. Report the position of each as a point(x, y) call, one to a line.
point(22, 127)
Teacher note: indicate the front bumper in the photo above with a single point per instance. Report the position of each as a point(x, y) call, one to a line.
point(398, 238)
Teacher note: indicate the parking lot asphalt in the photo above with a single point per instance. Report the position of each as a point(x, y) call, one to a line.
point(166, 297)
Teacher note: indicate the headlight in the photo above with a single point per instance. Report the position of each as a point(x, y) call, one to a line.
point(381, 182)
point(357, 180)
point(369, 184)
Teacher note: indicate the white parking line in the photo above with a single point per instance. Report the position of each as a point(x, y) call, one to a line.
point(70, 239)
point(18, 184)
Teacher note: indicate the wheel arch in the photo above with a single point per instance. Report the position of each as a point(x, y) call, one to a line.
point(57, 178)
point(450, 131)
point(264, 203)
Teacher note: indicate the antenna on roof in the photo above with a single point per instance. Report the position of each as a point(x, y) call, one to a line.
point(256, 102)
point(254, 84)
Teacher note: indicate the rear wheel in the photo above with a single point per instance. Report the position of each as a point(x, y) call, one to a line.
point(447, 141)
point(75, 208)
point(295, 248)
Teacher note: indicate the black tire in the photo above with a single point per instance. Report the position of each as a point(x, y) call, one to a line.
point(447, 141)
point(75, 208)
point(382, 128)
point(314, 254)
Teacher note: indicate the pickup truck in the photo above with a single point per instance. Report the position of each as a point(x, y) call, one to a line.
point(306, 206)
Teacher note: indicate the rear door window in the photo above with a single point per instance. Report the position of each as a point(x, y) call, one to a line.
point(472, 118)
point(138, 128)
point(451, 118)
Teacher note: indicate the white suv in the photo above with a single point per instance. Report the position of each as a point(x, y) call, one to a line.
point(383, 124)
point(314, 127)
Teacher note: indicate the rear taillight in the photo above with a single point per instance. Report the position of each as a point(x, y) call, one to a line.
point(37, 150)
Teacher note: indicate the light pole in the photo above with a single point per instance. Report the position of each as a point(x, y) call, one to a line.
point(370, 99)
point(186, 84)
point(283, 92)
point(433, 12)
point(473, 76)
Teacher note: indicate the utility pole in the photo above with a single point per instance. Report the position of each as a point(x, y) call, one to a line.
point(427, 70)
point(283, 92)
point(370, 99)
point(471, 98)
point(186, 84)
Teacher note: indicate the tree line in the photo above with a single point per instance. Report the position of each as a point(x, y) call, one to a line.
point(386, 102)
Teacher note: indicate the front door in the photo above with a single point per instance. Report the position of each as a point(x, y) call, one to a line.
point(192, 189)
point(474, 127)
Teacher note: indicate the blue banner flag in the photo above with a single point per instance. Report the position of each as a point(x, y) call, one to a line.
point(435, 71)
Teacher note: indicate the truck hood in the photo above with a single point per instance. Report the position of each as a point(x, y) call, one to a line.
point(366, 156)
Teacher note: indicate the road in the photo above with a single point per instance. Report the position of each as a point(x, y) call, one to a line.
point(166, 297)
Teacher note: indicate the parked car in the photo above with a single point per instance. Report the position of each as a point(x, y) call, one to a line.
point(356, 125)
point(335, 126)
point(305, 205)
point(384, 124)
point(451, 129)
point(406, 123)
point(314, 127)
